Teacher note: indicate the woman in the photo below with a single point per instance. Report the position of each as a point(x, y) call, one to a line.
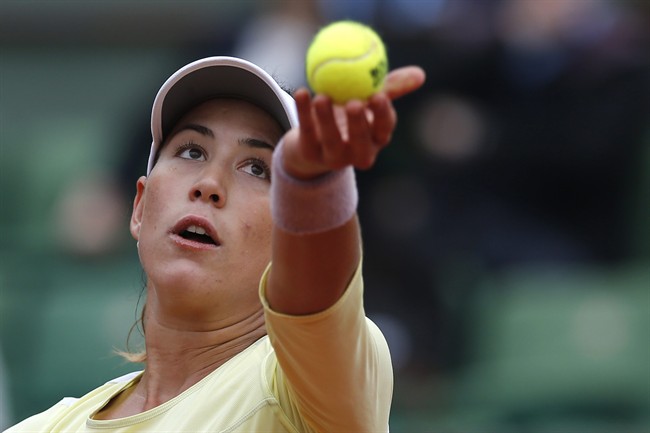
point(220, 202)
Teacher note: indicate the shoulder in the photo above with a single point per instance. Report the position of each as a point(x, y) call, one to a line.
point(71, 409)
point(41, 421)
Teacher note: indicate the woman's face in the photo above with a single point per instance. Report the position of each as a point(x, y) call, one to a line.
point(202, 217)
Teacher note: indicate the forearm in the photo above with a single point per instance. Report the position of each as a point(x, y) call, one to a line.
point(313, 263)
point(310, 272)
point(315, 243)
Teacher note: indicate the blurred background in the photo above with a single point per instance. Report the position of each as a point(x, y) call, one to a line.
point(506, 229)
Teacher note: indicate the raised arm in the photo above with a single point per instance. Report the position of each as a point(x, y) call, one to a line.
point(311, 270)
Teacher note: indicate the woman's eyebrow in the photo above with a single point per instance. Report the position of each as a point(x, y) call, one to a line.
point(256, 143)
point(203, 130)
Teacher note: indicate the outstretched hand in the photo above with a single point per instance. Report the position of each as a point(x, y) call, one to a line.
point(332, 136)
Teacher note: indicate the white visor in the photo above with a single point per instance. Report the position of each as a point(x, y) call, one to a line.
point(216, 77)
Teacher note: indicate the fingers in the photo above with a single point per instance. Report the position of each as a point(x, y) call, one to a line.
point(402, 81)
point(332, 136)
point(332, 143)
point(336, 136)
point(385, 119)
point(362, 147)
point(323, 133)
point(308, 129)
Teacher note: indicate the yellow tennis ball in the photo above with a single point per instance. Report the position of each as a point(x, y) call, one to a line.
point(346, 60)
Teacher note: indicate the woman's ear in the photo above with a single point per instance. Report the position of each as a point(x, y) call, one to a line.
point(138, 208)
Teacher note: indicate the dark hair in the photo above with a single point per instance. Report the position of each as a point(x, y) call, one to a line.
point(138, 356)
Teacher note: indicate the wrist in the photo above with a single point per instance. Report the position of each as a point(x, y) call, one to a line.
point(311, 202)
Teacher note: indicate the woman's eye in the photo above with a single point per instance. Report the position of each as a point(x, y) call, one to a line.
point(257, 168)
point(193, 153)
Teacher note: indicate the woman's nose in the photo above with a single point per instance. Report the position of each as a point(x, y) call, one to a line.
point(214, 197)
point(210, 190)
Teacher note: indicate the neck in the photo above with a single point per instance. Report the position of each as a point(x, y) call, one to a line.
point(179, 357)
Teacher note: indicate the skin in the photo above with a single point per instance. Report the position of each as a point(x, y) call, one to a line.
point(202, 300)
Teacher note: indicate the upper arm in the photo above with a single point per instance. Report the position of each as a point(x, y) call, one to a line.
point(334, 371)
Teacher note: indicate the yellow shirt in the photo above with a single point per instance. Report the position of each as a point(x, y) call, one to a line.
point(327, 372)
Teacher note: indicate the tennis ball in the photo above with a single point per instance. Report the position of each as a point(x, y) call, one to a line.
point(346, 60)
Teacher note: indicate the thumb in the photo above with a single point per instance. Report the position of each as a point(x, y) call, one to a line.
point(404, 80)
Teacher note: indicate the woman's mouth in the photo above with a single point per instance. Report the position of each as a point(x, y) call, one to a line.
point(195, 232)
